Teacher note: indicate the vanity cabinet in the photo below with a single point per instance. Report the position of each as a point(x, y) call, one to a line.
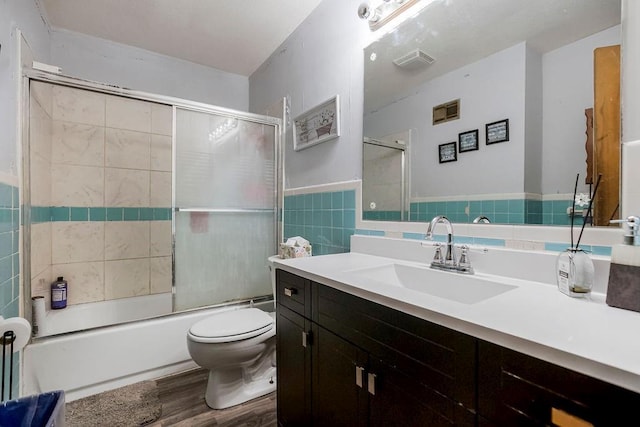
point(366, 364)
point(517, 389)
point(347, 361)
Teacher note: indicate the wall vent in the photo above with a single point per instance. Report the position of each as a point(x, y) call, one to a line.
point(446, 112)
point(414, 59)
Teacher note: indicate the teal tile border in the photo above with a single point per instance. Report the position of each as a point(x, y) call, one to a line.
point(326, 219)
point(10, 263)
point(40, 214)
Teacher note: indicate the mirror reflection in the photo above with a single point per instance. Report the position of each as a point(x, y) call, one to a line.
point(496, 106)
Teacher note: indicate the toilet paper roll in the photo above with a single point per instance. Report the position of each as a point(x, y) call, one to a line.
point(20, 327)
point(38, 315)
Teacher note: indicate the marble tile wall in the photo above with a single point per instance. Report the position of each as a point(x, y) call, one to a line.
point(101, 194)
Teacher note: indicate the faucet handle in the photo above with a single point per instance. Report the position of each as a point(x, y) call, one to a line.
point(464, 264)
point(437, 256)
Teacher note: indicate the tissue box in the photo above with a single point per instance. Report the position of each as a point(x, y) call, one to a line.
point(295, 247)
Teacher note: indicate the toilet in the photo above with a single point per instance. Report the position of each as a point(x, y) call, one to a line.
point(238, 347)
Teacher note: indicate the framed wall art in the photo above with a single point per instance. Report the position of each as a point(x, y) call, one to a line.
point(447, 152)
point(319, 124)
point(497, 131)
point(468, 141)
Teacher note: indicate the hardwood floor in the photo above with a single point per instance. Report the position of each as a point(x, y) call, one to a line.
point(182, 398)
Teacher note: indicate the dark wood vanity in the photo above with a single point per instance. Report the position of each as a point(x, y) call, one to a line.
point(347, 361)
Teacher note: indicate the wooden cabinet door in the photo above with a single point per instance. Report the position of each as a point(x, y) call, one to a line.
point(517, 389)
point(339, 381)
point(402, 400)
point(606, 129)
point(293, 369)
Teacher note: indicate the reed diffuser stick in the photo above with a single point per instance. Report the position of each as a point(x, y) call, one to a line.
point(584, 221)
point(573, 207)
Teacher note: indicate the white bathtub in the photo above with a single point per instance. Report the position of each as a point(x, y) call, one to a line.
point(91, 315)
point(85, 363)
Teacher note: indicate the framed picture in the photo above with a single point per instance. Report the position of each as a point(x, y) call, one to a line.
point(468, 141)
point(447, 152)
point(497, 131)
point(319, 124)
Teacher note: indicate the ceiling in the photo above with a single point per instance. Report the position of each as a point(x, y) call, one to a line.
point(236, 36)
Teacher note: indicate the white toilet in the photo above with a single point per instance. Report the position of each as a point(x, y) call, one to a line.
point(238, 348)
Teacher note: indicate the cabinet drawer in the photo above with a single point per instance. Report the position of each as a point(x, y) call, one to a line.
point(293, 292)
point(517, 389)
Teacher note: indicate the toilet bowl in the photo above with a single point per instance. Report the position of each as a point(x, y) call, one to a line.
point(238, 349)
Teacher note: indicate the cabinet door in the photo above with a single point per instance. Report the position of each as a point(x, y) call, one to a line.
point(293, 369)
point(402, 400)
point(517, 389)
point(339, 381)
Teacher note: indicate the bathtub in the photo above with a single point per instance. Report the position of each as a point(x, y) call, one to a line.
point(89, 362)
point(95, 314)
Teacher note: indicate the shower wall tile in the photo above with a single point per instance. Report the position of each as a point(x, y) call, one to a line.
point(131, 114)
point(85, 281)
point(40, 285)
point(43, 95)
point(160, 238)
point(126, 278)
point(77, 242)
point(77, 186)
point(160, 274)
point(127, 149)
point(126, 188)
point(77, 144)
point(79, 106)
point(160, 189)
point(161, 153)
point(126, 239)
point(39, 131)
point(161, 119)
point(40, 253)
point(40, 181)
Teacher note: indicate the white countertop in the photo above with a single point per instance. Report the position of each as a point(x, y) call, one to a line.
point(584, 335)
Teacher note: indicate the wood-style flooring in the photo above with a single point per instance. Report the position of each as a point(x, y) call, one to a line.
point(183, 405)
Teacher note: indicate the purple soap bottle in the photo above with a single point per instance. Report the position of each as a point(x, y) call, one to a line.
point(59, 294)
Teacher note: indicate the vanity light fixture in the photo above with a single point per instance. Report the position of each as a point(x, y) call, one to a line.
point(223, 129)
point(379, 12)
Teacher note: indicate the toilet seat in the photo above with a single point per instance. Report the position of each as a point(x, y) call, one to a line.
point(230, 326)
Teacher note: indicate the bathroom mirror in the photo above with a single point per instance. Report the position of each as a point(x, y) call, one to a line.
point(500, 90)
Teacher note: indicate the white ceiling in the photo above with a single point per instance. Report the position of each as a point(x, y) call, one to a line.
point(236, 36)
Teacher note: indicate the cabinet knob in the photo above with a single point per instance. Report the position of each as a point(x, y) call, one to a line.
point(306, 338)
point(371, 383)
point(359, 372)
point(289, 291)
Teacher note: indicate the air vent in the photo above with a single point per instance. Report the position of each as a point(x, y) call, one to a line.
point(414, 59)
point(445, 112)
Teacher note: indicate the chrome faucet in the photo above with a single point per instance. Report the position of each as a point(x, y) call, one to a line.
point(449, 258)
point(449, 261)
point(481, 219)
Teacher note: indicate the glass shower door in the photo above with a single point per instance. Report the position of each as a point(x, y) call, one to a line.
point(225, 208)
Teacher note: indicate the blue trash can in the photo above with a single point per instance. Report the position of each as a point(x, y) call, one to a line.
point(39, 410)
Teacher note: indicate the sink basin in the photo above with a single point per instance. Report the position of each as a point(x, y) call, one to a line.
point(453, 286)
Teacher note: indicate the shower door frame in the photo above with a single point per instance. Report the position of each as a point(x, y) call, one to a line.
point(29, 74)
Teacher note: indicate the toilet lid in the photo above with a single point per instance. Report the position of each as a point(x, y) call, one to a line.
point(232, 325)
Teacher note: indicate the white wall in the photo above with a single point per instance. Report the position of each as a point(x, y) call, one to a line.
point(22, 15)
point(567, 92)
point(322, 58)
point(105, 61)
point(489, 90)
point(533, 123)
